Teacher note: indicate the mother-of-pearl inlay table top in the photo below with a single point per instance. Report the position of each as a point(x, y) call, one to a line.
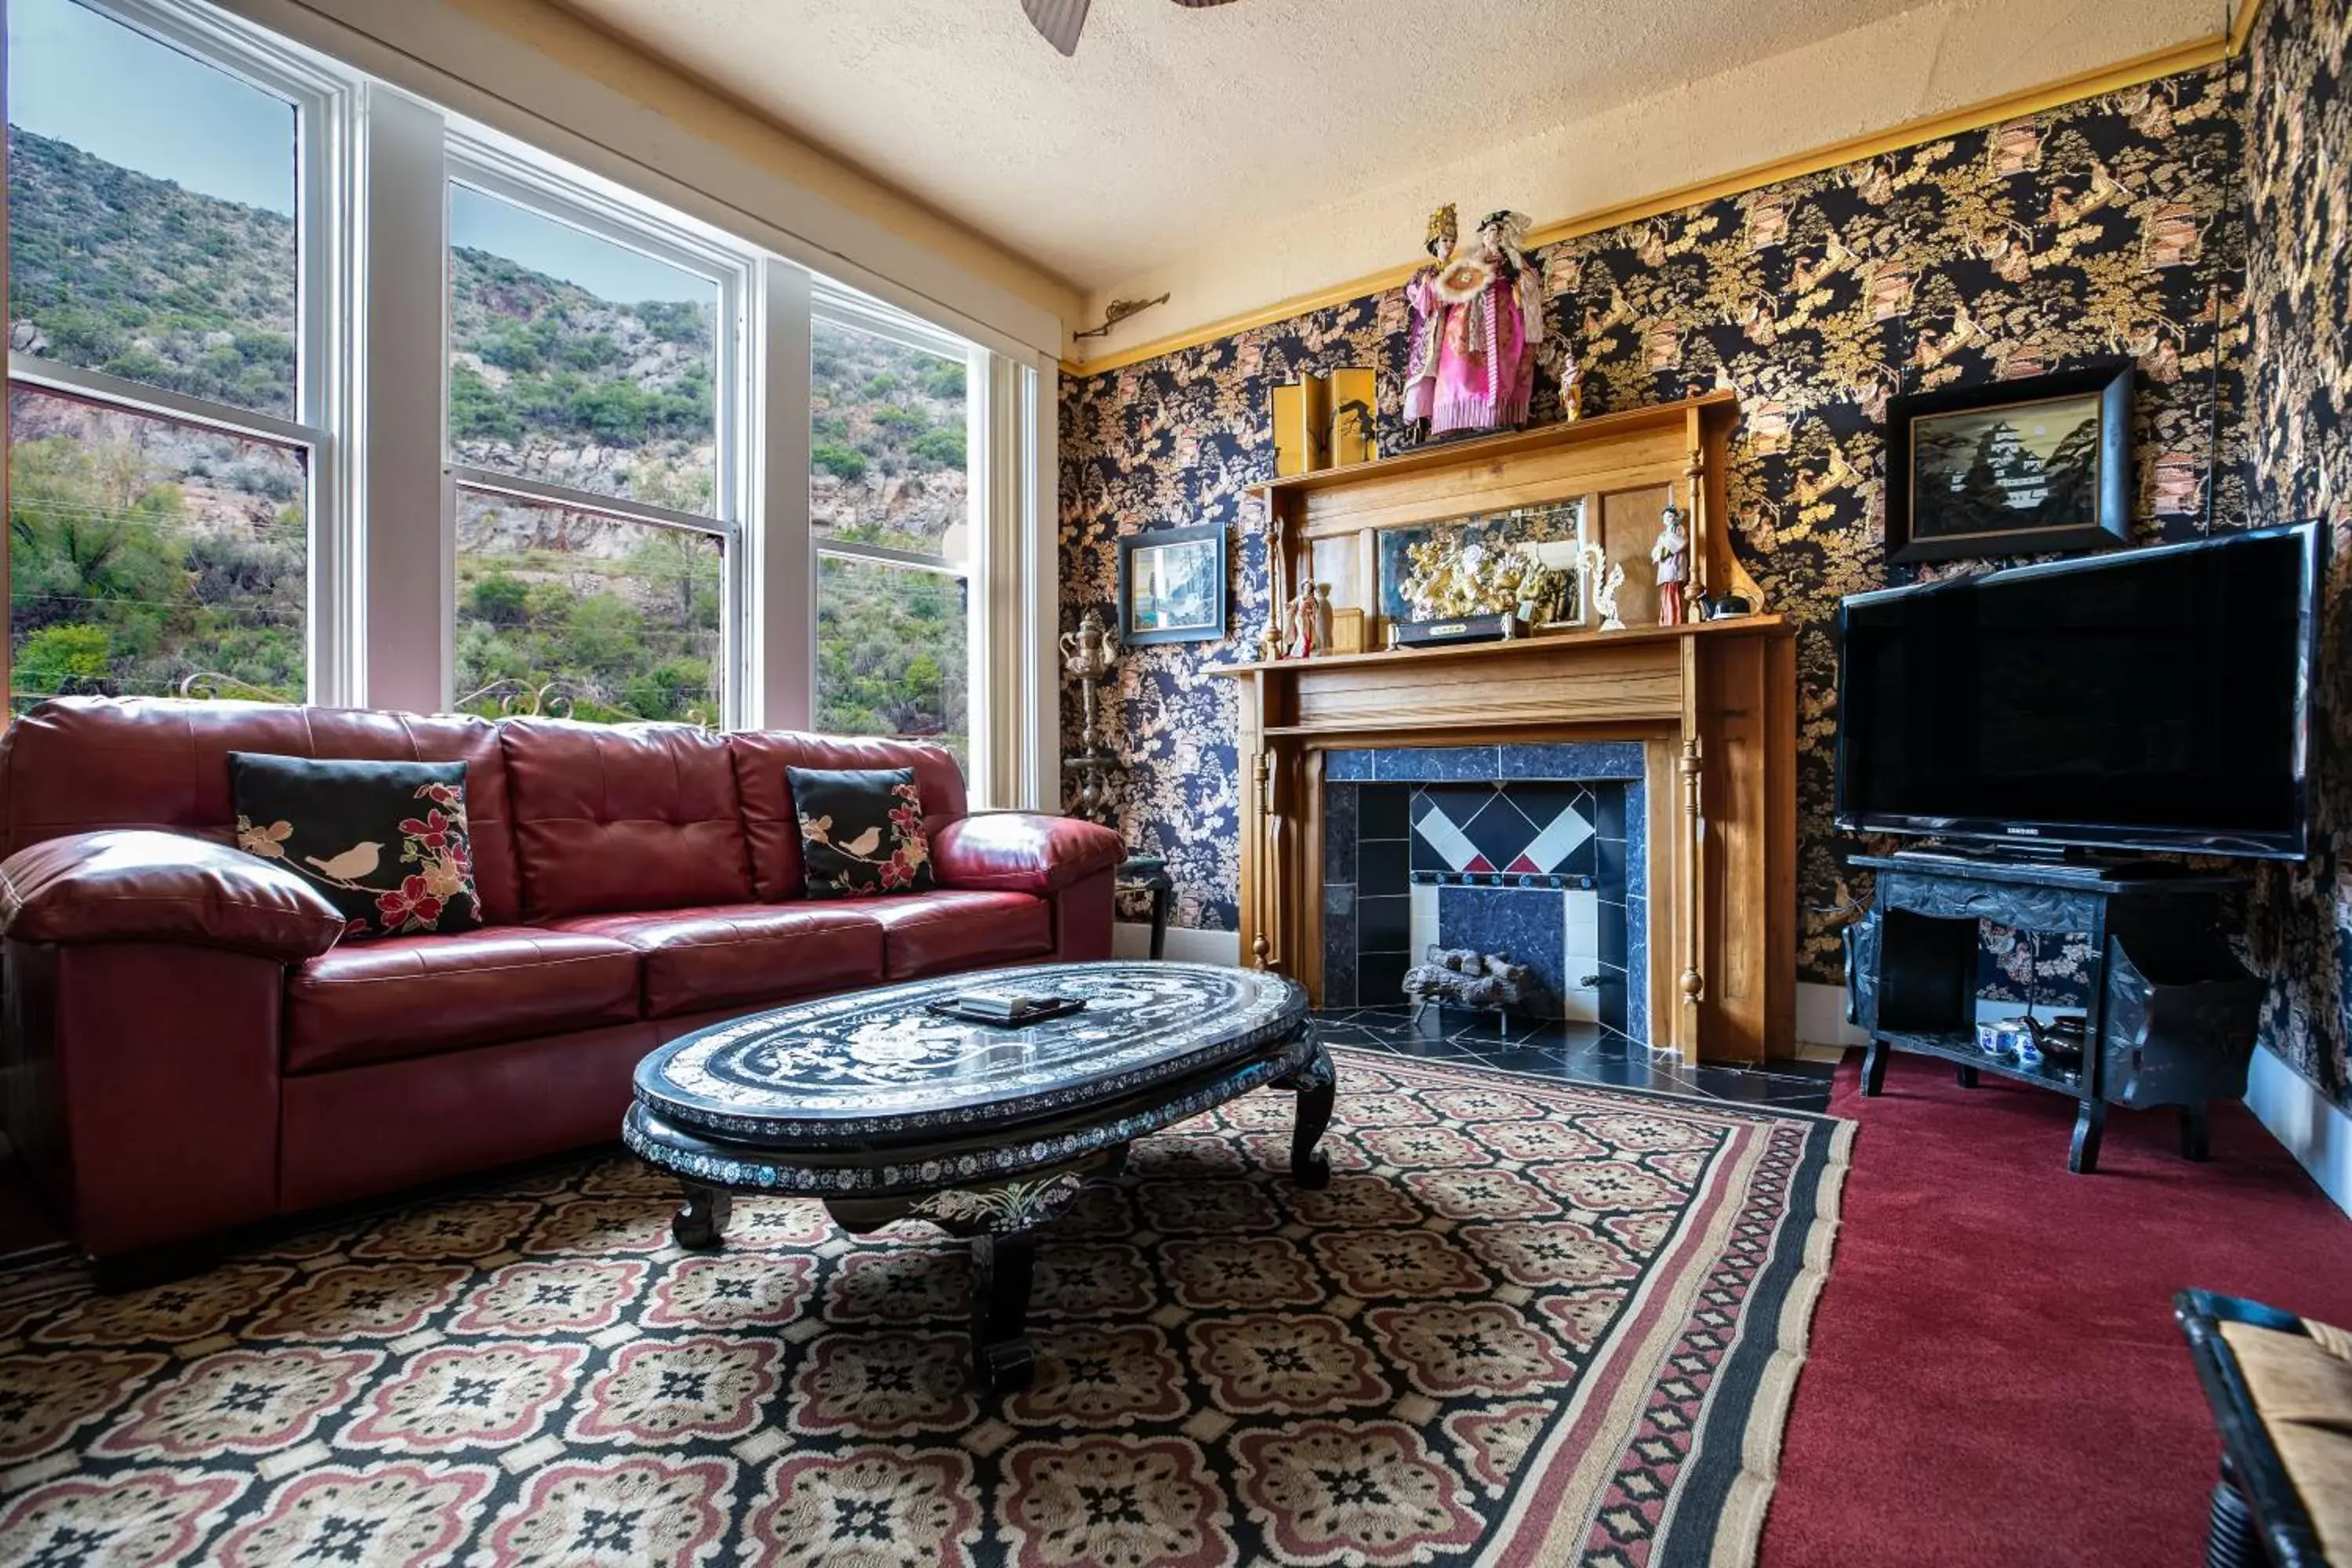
point(884, 1109)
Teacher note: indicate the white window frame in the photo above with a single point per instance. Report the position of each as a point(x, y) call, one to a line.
point(831, 303)
point(487, 163)
point(375, 166)
point(322, 96)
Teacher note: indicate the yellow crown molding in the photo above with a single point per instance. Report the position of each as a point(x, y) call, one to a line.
point(2248, 13)
point(2195, 55)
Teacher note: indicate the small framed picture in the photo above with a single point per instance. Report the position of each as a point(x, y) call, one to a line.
point(1171, 586)
point(2018, 467)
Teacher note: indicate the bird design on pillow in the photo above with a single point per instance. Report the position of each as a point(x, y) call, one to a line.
point(880, 858)
point(360, 861)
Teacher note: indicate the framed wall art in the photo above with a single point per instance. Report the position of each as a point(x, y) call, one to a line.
point(1171, 586)
point(2018, 467)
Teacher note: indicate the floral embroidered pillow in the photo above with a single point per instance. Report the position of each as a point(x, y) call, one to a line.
point(861, 831)
point(385, 842)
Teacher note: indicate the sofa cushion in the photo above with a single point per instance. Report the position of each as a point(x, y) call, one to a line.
point(941, 931)
point(771, 824)
point(383, 842)
point(624, 817)
point(75, 765)
point(134, 885)
point(411, 995)
point(861, 831)
point(743, 955)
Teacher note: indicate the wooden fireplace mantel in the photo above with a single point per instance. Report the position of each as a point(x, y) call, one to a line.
point(1714, 707)
point(1713, 704)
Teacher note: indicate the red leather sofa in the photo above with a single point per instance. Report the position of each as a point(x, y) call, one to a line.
point(190, 1048)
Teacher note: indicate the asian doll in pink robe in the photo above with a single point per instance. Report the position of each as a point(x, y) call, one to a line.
point(1477, 321)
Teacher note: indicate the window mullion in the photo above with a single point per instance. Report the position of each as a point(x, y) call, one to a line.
point(138, 397)
point(403, 543)
point(619, 507)
point(781, 641)
point(858, 550)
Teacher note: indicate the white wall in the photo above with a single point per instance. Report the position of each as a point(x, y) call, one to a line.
point(2314, 1129)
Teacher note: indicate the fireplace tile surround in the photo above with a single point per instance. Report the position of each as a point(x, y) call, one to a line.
point(1536, 851)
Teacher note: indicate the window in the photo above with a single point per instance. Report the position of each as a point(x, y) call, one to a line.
point(578, 360)
point(893, 652)
point(146, 557)
point(590, 449)
point(164, 446)
point(562, 497)
point(889, 510)
point(151, 214)
point(586, 614)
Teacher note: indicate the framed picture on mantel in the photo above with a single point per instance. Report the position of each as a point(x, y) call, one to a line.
point(2019, 467)
point(1171, 586)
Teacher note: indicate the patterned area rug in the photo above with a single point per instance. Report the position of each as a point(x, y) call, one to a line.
point(1528, 1323)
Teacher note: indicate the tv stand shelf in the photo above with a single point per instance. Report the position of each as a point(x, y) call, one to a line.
point(2172, 1013)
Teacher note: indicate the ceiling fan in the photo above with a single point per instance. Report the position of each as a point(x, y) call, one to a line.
point(1061, 21)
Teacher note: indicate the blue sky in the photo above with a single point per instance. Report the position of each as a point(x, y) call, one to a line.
point(607, 270)
point(120, 96)
point(125, 97)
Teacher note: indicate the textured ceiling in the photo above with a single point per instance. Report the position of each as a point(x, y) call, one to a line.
point(1174, 130)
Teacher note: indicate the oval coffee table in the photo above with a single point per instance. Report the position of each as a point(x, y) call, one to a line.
point(884, 1110)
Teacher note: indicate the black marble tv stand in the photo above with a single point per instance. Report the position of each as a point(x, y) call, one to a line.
point(2171, 1014)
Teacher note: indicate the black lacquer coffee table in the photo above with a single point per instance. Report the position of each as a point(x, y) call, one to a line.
point(886, 1110)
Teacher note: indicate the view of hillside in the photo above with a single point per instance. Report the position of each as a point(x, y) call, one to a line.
point(146, 552)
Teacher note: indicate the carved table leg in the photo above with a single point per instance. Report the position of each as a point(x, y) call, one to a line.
point(1000, 1222)
point(1002, 1266)
point(700, 1225)
point(2229, 1535)
point(2090, 1125)
point(1318, 1086)
point(1967, 1077)
point(1873, 1068)
point(2195, 1139)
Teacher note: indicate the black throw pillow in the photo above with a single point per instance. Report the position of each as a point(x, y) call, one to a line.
point(861, 831)
point(385, 842)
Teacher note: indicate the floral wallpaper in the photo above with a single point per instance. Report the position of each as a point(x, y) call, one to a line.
point(2298, 157)
point(2106, 227)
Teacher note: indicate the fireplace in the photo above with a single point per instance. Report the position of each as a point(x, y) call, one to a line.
point(1536, 852)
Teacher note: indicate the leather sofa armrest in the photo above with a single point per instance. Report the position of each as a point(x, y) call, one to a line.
point(1022, 852)
point(139, 885)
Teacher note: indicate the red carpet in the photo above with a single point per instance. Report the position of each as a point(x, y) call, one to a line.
point(1994, 1375)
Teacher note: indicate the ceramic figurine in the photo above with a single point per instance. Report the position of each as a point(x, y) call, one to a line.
point(1428, 321)
point(1571, 385)
point(1479, 315)
point(1299, 624)
point(1672, 554)
point(1602, 578)
point(1322, 617)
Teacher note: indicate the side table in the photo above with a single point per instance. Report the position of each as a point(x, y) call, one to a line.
point(2171, 1014)
point(1148, 874)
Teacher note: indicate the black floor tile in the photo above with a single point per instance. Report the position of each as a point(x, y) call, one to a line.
point(1576, 1053)
point(1762, 1089)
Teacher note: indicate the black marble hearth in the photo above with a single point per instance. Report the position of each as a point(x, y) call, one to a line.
point(1579, 1052)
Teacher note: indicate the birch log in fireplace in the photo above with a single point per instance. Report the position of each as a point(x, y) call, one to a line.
point(1713, 705)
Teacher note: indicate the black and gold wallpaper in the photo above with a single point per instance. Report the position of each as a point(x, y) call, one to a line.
point(2115, 225)
point(2298, 370)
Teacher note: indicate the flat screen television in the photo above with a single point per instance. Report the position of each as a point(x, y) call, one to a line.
point(2154, 700)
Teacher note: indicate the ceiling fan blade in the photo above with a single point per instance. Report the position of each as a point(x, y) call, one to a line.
point(1060, 21)
point(1196, 5)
